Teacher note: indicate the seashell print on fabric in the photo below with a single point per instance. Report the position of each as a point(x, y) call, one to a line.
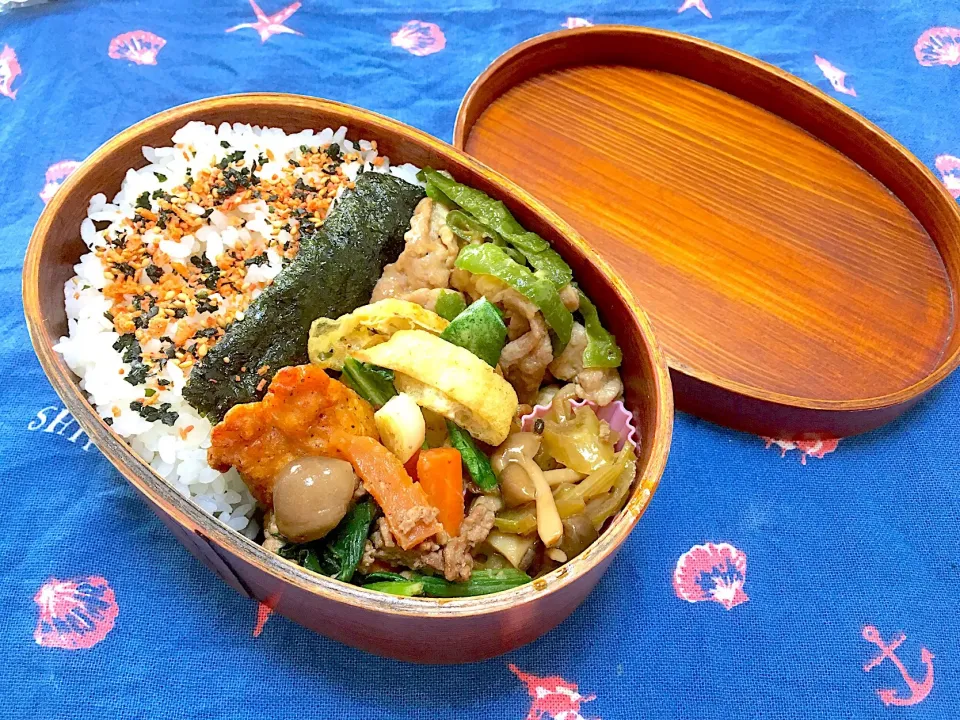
point(74, 614)
point(938, 46)
point(714, 572)
point(419, 38)
point(139, 46)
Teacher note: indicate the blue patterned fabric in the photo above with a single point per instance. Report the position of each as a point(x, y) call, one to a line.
point(765, 581)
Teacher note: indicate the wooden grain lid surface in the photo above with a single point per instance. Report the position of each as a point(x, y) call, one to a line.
point(772, 263)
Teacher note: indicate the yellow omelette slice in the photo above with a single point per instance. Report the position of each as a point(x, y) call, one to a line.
point(449, 380)
point(332, 341)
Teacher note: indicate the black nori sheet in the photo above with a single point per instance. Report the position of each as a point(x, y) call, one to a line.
point(333, 274)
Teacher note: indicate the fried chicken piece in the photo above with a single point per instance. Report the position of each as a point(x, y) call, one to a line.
point(298, 416)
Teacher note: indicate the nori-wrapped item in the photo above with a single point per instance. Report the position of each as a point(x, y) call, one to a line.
point(333, 274)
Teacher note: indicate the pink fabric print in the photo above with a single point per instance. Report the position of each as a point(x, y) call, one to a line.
point(419, 38)
point(919, 689)
point(74, 614)
point(576, 22)
point(552, 697)
point(938, 46)
point(713, 572)
point(269, 25)
point(698, 4)
point(836, 76)
point(55, 176)
point(139, 46)
point(949, 168)
point(264, 612)
point(9, 72)
point(808, 448)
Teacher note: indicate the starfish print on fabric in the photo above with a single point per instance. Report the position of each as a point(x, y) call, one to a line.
point(269, 25)
point(698, 4)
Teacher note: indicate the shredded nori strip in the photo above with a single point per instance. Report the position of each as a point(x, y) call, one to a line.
point(332, 275)
point(153, 413)
point(260, 259)
point(154, 272)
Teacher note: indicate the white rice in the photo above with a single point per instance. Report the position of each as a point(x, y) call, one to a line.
point(174, 452)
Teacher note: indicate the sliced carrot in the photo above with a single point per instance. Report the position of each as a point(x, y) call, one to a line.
point(397, 495)
point(440, 475)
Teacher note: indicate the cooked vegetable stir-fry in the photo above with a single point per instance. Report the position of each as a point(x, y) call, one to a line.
point(459, 434)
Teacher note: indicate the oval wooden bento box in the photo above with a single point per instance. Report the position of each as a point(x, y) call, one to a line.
point(404, 628)
point(800, 266)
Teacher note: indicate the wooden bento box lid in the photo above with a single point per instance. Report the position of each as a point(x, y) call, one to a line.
point(800, 266)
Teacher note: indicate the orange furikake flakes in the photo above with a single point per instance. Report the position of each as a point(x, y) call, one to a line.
point(193, 257)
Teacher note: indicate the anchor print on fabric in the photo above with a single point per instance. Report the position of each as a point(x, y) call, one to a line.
point(552, 698)
point(836, 76)
point(949, 168)
point(576, 22)
point(938, 46)
point(74, 614)
point(9, 71)
point(808, 448)
point(698, 4)
point(713, 572)
point(55, 175)
point(419, 38)
point(891, 696)
point(269, 25)
point(139, 46)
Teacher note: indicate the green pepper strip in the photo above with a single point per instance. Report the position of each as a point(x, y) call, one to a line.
point(494, 215)
point(374, 384)
point(450, 304)
point(479, 329)
point(477, 464)
point(488, 259)
point(601, 349)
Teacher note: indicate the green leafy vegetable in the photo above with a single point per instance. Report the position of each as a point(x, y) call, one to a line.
point(481, 582)
point(493, 215)
point(345, 547)
point(338, 554)
point(374, 384)
point(407, 588)
point(382, 576)
point(477, 464)
point(488, 259)
point(333, 274)
point(601, 349)
point(450, 304)
point(480, 329)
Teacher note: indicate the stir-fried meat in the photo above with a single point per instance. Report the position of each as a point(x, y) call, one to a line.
point(296, 417)
point(570, 362)
point(457, 560)
point(599, 385)
point(525, 358)
point(570, 297)
point(454, 559)
point(427, 258)
point(425, 297)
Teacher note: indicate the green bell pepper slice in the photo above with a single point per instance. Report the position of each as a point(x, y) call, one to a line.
point(488, 259)
point(601, 350)
point(479, 329)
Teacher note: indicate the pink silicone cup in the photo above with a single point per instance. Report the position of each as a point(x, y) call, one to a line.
point(615, 414)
